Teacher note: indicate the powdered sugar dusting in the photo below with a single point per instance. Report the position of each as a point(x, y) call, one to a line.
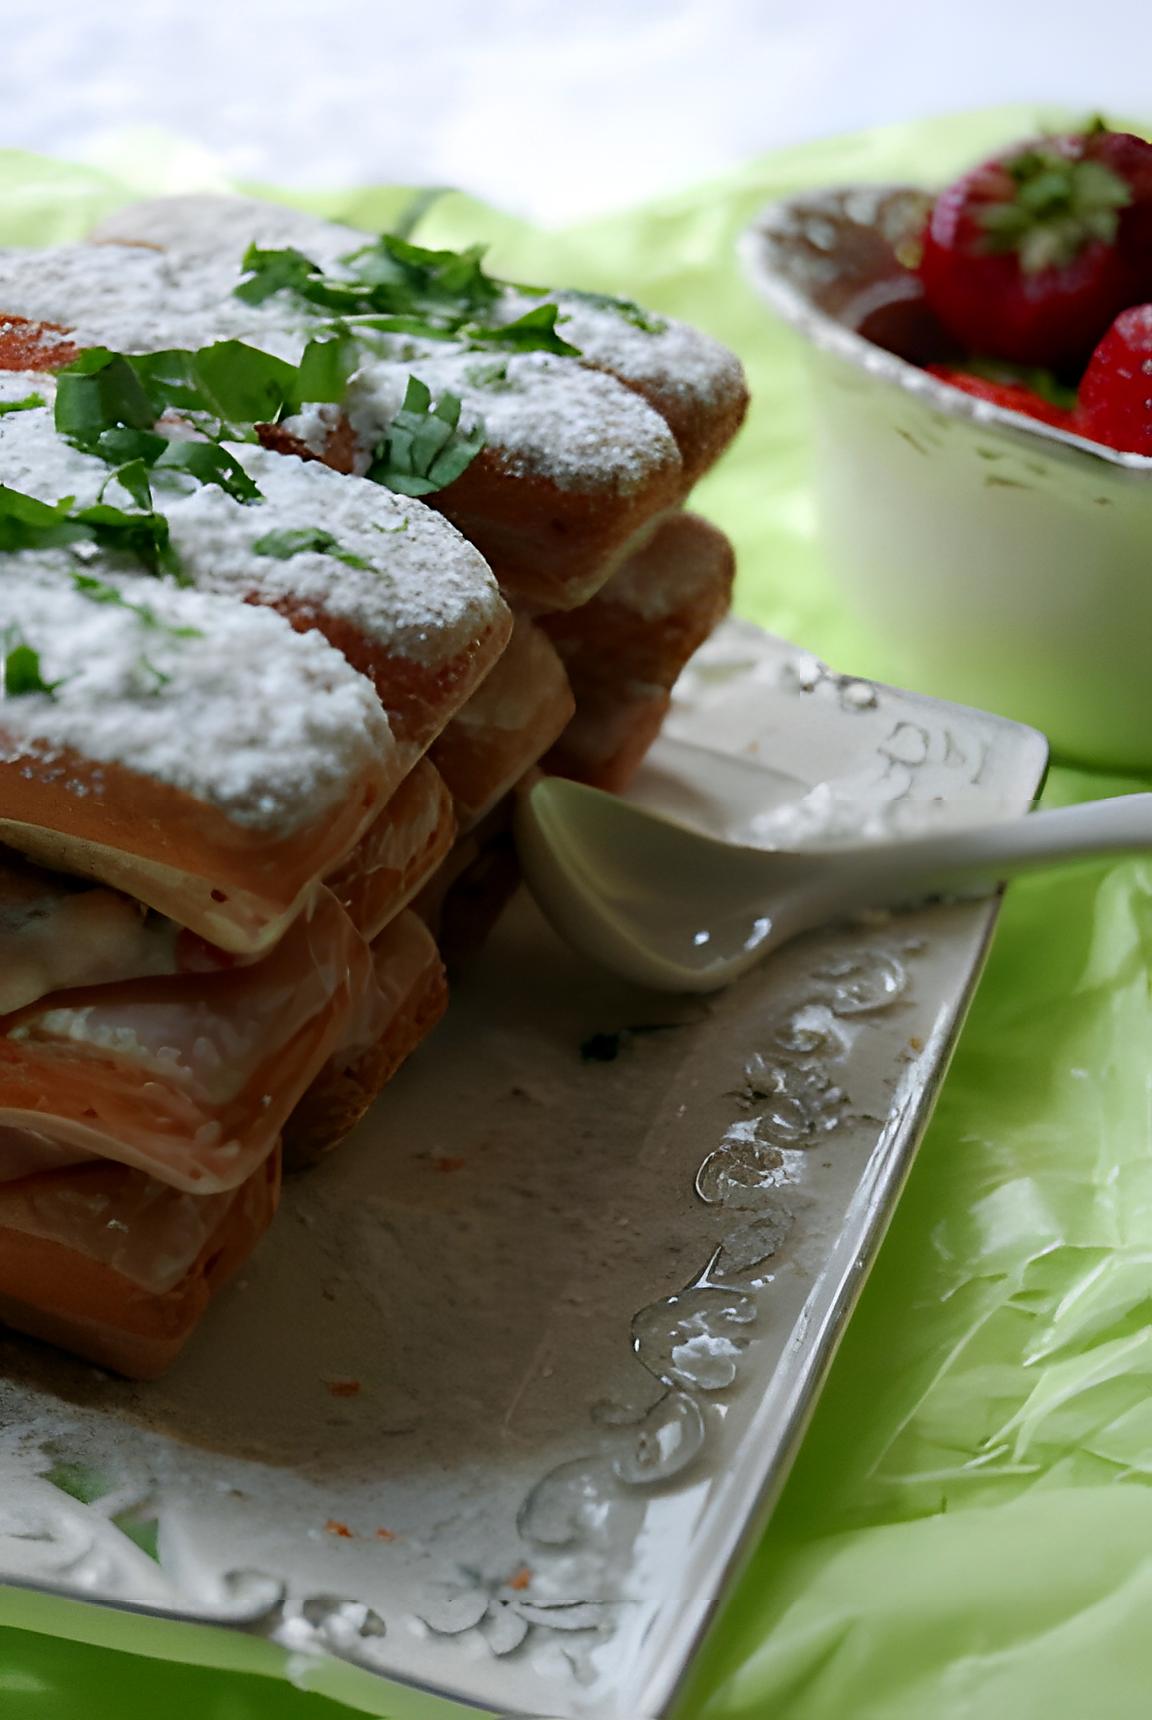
point(426, 593)
point(136, 300)
point(569, 420)
point(671, 356)
point(673, 359)
point(546, 415)
point(34, 458)
point(543, 415)
point(205, 225)
point(267, 724)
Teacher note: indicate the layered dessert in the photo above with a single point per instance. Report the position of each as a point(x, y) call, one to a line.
point(316, 543)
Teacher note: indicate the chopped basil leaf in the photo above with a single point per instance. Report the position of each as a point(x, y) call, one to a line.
point(150, 668)
point(323, 372)
point(102, 415)
point(493, 376)
point(98, 591)
point(628, 309)
point(287, 270)
point(401, 276)
point(229, 382)
point(391, 531)
point(143, 453)
point(25, 405)
point(424, 449)
point(535, 331)
point(396, 287)
point(421, 328)
point(27, 523)
point(122, 447)
point(238, 383)
point(143, 536)
point(102, 388)
point(381, 286)
point(273, 271)
point(132, 477)
point(295, 541)
point(208, 463)
point(22, 672)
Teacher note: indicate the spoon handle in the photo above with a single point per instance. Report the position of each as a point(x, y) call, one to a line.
point(935, 865)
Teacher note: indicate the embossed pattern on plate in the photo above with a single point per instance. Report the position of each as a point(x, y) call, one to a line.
point(497, 1408)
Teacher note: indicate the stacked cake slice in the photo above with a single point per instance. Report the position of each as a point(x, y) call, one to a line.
point(264, 701)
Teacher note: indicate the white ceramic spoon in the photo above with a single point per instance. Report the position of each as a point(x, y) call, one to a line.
point(674, 909)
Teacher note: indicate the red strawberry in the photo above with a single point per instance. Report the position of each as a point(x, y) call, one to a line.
point(1014, 396)
point(1130, 158)
point(1116, 393)
point(1029, 257)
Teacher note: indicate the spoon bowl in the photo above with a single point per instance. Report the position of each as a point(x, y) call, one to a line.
point(676, 910)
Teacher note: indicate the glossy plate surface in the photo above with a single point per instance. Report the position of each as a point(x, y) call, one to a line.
point(498, 1408)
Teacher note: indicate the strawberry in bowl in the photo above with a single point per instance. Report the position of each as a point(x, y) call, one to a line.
point(981, 366)
point(1042, 257)
point(1114, 405)
point(1031, 256)
point(1036, 393)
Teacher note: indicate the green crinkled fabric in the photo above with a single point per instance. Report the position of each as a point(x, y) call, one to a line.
point(968, 1530)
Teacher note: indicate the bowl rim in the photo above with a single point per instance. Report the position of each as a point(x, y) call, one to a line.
point(823, 331)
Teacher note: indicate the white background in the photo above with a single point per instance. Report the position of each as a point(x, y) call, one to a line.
point(554, 110)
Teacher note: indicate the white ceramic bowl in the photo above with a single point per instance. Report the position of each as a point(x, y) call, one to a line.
point(1007, 564)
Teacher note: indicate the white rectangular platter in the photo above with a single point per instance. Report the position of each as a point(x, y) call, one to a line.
point(494, 1414)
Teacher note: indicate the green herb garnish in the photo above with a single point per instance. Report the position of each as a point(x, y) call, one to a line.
point(144, 536)
point(424, 449)
point(25, 405)
point(420, 328)
point(269, 271)
point(132, 475)
point(108, 403)
point(138, 457)
point(27, 523)
point(22, 672)
point(230, 384)
point(535, 331)
point(228, 381)
point(208, 463)
point(627, 309)
point(99, 591)
point(158, 675)
point(493, 375)
point(295, 541)
point(395, 287)
point(323, 371)
point(403, 277)
point(99, 389)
